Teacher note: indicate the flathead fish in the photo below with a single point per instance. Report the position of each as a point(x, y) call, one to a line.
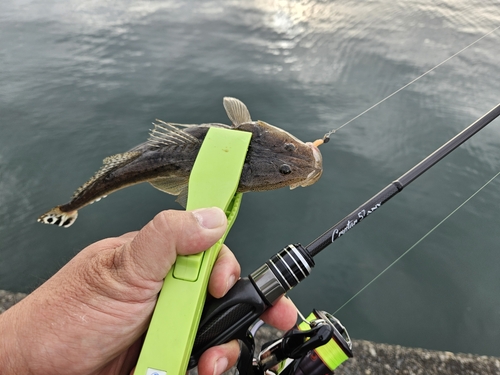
point(275, 159)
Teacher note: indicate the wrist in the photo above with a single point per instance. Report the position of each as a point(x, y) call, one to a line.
point(12, 354)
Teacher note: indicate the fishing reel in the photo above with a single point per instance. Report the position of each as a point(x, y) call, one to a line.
point(317, 346)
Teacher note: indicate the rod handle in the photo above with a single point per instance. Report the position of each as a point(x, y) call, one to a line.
point(228, 318)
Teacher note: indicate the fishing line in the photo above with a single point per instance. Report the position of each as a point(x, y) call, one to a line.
point(326, 137)
point(416, 243)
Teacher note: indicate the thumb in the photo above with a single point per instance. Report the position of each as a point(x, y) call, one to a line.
point(153, 250)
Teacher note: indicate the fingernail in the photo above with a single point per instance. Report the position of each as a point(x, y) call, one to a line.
point(220, 366)
point(230, 283)
point(210, 218)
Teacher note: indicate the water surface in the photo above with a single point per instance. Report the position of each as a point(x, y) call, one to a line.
point(80, 81)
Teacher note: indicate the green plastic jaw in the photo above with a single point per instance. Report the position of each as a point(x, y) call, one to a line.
point(212, 183)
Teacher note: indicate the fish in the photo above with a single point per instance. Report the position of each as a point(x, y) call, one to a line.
point(275, 159)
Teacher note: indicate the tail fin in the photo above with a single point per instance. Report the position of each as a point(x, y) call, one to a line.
point(58, 217)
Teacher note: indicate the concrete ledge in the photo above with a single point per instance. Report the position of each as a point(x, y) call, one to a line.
point(7, 299)
point(375, 359)
point(381, 359)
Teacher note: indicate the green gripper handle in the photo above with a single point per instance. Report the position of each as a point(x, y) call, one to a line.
point(213, 182)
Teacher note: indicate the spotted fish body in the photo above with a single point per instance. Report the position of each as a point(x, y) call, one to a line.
point(275, 159)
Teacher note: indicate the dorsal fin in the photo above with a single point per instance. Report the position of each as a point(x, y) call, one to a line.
point(236, 111)
point(168, 134)
point(109, 163)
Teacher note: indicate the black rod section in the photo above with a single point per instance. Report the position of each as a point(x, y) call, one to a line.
point(391, 190)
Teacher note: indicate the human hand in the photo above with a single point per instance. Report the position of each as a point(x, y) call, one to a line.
point(91, 316)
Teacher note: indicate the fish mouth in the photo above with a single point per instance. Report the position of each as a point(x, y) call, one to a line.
point(313, 176)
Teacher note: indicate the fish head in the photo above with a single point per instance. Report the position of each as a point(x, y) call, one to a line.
point(317, 170)
point(279, 159)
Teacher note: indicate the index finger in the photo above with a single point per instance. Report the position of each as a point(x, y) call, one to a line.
point(283, 315)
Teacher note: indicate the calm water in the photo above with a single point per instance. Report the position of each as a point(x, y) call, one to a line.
point(83, 80)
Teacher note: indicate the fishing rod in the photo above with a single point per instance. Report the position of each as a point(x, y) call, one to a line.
point(396, 186)
point(230, 317)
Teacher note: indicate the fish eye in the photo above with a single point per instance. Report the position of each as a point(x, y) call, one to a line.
point(289, 147)
point(285, 169)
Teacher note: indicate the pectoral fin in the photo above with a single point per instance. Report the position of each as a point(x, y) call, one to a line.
point(182, 198)
point(170, 185)
point(174, 186)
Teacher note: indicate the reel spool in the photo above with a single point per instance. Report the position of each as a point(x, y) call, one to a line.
point(317, 346)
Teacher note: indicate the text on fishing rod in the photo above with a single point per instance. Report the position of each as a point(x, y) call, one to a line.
point(351, 223)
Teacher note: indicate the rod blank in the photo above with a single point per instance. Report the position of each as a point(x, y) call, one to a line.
point(391, 190)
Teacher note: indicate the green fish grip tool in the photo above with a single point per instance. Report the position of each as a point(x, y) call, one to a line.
point(212, 183)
